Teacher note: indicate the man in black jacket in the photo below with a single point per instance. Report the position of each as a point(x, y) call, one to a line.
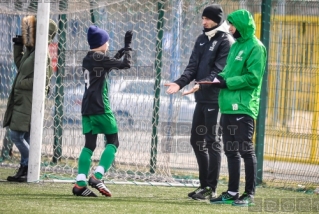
point(208, 58)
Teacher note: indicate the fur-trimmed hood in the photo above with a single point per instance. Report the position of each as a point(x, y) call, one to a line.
point(28, 27)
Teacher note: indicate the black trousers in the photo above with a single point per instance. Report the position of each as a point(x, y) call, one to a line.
point(238, 131)
point(205, 140)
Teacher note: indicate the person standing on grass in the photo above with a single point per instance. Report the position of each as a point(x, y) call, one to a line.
point(208, 59)
point(18, 113)
point(97, 116)
point(239, 98)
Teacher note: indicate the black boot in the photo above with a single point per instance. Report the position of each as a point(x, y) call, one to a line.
point(20, 176)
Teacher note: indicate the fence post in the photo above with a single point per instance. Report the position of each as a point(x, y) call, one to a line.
point(158, 67)
point(58, 119)
point(94, 14)
point(260, 129)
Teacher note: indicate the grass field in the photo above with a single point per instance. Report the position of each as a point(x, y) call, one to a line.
point(27, 198)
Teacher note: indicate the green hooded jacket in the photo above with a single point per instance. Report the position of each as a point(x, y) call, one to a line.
point(244, 69)
point(19, 106)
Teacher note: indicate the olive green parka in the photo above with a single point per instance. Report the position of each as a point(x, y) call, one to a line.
point(18, 112)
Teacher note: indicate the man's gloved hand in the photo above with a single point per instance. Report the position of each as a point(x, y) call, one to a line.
point(119, 54)
point(222, 81)
point(17, 40)
point(128, 39)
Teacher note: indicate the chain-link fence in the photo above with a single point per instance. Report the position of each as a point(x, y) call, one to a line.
point(164, 35)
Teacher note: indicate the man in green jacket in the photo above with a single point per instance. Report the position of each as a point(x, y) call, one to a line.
point(240, 83)
point(18, 112)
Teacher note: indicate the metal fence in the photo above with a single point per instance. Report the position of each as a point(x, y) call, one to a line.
point(164, 35)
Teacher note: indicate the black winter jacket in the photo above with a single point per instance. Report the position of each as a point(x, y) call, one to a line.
point(208, 58)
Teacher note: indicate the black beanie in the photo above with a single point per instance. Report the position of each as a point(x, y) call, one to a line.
point(214, 13)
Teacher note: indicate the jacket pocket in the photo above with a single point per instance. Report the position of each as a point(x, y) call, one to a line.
point(20, 121)
point(230, 100)
point(18, 98)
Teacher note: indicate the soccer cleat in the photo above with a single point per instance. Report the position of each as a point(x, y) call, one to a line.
point(224, 198)
point(20, 176)
point(83, 191)
point(194, 192)
point(244, 200)
point(204, 194)
point(99, 185)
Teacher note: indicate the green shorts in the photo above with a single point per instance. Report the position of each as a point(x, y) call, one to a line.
point(99, 124)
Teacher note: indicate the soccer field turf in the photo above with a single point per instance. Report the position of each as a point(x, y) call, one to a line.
point(57, 198)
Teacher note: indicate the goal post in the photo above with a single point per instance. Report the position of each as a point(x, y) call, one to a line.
point(38, 96)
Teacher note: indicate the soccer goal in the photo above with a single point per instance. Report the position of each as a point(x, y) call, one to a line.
point(154, 127)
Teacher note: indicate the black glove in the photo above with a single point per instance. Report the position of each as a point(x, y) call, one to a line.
point(128, 39)
point(119, 54)
point(17, 40)
point(222, 83)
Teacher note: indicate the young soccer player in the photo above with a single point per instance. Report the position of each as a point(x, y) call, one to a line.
point(97, 116)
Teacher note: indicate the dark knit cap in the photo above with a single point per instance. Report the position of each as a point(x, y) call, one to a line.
point(97, 37)
point(215, 13)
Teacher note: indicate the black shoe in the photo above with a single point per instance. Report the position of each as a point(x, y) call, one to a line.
point(82, 191)
point(204, 194)
point(224, 198)
point(194, 192)
point(20, 176)
point(244, 200)
point(99, 185)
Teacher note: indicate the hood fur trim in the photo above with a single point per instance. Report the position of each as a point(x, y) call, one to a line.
point(29, 31)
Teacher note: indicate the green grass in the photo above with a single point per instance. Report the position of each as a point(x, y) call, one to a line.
point(57, 198)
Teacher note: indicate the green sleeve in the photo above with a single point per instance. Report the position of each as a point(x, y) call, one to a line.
point(255, 66)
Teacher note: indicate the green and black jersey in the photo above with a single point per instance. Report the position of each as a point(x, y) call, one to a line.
point(95, 67)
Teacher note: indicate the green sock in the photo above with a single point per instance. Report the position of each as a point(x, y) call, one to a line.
point(98, 175)
point(107, 159)
point(85, 161)
point(81, 183)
